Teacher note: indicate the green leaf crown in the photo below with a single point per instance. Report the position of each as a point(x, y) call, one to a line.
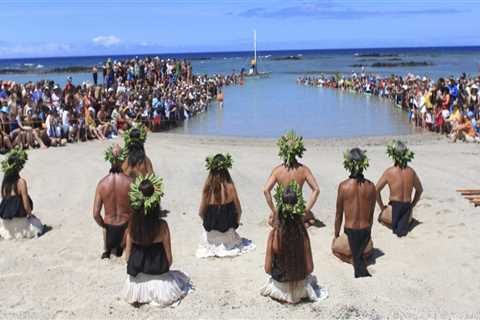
point(213, 163)
point(355, 166)
point(399, 153)
point(138, 200)
point(128, 140)
point(115, 159)
point(14, 161)
point(290, 148)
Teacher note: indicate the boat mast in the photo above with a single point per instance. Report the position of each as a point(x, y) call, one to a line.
point(255, 50)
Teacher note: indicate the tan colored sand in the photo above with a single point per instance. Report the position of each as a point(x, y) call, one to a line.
point(431, 273)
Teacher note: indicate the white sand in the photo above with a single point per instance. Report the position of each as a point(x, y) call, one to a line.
point(431, 273)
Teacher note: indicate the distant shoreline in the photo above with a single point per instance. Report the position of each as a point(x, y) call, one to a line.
point(248, 52)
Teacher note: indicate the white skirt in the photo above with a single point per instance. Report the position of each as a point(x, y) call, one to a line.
point(305, 289)
point(20, 228)
point(163, 290)
point(223, 244)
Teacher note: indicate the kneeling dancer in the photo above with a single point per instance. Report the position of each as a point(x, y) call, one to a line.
point(148, 251)
point(137, 163)
point(288, 259)
point(112, 195)
point(290, 149)
point(16, 218)
point(401, 180)
point(220, 211)
point(356, 198)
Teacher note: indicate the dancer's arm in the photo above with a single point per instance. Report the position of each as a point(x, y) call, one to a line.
point(339, 212)
point(97, 208)
point(272, 180)
point(312, 183)
point(22, 188)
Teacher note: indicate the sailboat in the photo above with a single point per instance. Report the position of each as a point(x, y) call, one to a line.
point(253, 72)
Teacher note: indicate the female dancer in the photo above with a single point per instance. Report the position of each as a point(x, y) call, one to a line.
point(220, 211)
point(148, 250)
point(288, 259)
point(137, 162)
point(16, 218)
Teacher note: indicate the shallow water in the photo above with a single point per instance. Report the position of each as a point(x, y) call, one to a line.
point(269, 107)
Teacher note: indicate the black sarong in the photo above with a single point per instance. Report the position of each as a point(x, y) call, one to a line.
point(401, 213)
point(358, 240)
point(114, 238)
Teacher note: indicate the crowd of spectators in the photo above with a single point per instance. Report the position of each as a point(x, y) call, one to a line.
point(448, 105)
point(158, 93)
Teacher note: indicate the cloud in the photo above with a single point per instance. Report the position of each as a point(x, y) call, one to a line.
point(106, 41)
point(330, 9)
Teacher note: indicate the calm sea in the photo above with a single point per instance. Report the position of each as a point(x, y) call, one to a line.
point(268, 107)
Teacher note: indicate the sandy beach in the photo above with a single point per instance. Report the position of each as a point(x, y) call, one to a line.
point(429, 274)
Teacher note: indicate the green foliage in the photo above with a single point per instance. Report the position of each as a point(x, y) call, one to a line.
point(110, 157)
point(399, 153)
point(219, 164)
point(14, 161)
point(141, 139)
point(290, 148)
point(355, 166)
point(287, 209)
point(138, 200)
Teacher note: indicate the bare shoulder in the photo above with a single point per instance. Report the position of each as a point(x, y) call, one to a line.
point(277, 169)
point(22, 183)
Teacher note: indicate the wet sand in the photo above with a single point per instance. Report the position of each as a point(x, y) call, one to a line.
point(430, 273)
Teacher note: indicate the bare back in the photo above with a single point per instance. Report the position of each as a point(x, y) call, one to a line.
point(401, 183)
point(285, 175)
point(113, 191)
point(358, 201)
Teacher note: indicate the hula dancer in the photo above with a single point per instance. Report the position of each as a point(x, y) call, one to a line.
point(220, 211)
point(401, 180)
point(356, 198)
point(16, 218)
point(112, 195)
point(291, 148)
point(148, 252)
point(137, 163)
point(288, 259)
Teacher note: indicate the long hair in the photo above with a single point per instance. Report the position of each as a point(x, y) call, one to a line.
point(9, 184)
point(136, 154)
point(213, 185)
point(292, 235)
point(143, 226)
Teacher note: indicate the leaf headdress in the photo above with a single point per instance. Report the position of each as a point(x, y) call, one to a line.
point(289, 210)
point(219, 162)
point(290, 148)
point(115, 159)
point(138, 200)
point(142, 136)
point(14, 161)
point(355, 161)
point(399, 153)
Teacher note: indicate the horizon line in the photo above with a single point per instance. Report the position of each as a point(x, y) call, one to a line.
point(247, 51)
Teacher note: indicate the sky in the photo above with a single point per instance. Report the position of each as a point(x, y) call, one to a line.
point(47, 28)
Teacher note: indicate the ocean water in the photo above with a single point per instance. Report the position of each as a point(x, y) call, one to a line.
point(268, 107)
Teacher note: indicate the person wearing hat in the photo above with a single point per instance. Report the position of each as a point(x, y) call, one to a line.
point(290, 149)
point(402, 180)
point(16, 218)
point(356, 200)
point(112, 195)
